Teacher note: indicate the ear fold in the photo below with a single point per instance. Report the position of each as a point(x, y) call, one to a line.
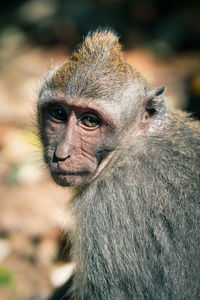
point(153, 115)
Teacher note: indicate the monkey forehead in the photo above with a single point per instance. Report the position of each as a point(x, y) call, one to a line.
point(93, 78)
point(102, 107)
point(96, 79)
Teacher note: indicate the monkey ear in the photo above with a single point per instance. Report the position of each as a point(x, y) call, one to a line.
point(153, 115)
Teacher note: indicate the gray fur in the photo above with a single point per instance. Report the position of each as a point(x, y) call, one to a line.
point(137, 225)
point(139, 222)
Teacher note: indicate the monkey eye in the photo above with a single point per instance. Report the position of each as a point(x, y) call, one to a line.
point(90, 121)
point(58, 114)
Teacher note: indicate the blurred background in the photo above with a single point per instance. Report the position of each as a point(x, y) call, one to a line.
point(160, 38)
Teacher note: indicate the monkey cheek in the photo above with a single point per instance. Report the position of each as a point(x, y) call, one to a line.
point(103, 163)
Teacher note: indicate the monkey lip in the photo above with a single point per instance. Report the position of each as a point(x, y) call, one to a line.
point(70, 173)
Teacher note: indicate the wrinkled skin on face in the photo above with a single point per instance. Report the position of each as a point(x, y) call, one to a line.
point(74, 134)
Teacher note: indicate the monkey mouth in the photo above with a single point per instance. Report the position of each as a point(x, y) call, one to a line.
point(70, 178)
point(70, 173)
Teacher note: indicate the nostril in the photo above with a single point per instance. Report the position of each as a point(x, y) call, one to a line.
point(56, 158)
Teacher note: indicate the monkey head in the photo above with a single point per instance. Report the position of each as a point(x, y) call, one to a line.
point(74, 137)
point(87, 103)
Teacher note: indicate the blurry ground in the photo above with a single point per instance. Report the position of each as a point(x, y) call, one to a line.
point(33, 209)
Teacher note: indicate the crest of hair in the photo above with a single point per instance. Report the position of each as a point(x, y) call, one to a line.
point(100, 47)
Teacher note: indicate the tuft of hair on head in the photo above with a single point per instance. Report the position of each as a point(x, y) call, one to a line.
point(101, 43)
point(100, 47)
point(98, 63)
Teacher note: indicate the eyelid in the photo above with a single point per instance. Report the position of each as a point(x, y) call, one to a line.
point(89, 114)
point(56, 106)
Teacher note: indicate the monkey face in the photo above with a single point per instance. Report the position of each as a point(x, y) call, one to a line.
point(74, 135)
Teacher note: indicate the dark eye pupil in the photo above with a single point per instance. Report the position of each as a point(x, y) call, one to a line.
point(58, 114)
point(91, 119)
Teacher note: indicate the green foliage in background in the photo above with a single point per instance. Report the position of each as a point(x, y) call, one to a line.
point(7, 280)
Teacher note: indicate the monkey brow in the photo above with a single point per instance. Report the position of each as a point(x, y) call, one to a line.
point(51, 101)
point(50, 97)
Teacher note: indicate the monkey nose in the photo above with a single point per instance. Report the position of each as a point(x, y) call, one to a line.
point(57, 157)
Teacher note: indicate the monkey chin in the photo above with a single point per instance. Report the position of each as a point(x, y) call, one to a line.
point(71, 180)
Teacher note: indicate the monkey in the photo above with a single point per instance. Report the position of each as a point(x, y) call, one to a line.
point(136, 167)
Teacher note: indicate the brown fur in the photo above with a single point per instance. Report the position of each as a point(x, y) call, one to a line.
point(97, 47)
